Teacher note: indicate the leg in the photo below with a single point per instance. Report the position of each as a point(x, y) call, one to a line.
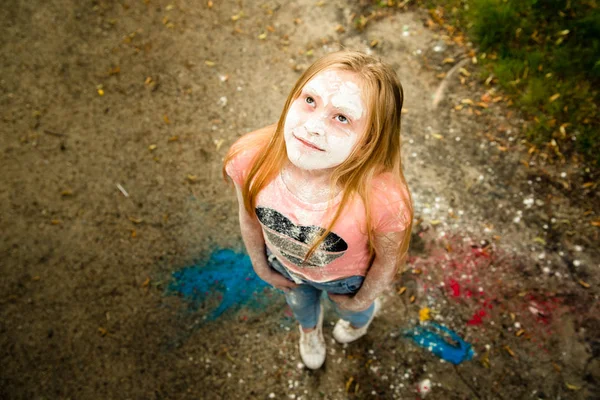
point(305, 304)
point(357, 319)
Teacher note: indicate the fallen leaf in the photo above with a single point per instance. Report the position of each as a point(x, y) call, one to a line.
point(100, 92)
point(556, 367)
point(485, 359)
point(402, 290)
point(173, 138)
point(56, 222)
point(572, 387)
point(166, 119)
point(464, 72)
point(448, 60)
point(584, 284)
point(596, 223)
point(348, 383)
point(209, 63)
point(133, 233)
point(340, 29)
point(554, 97)
point(540, 241)
point(152, 147)
point(467, 101)
point(509, 351)
point(262, 36)
point(270, 29)
point(135, 220)
point(412, 299)
point(424, 314)
point(437, 136)
point(210, 4)
point(192, 178)
point(66, 192)
point(519, 332)
point(102, 331)
point(146, 282)
point(219, 143)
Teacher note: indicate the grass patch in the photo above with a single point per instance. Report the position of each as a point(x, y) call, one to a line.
point(546, 57)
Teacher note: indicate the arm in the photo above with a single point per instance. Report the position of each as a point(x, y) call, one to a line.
point(255, 246)
point(380, 275)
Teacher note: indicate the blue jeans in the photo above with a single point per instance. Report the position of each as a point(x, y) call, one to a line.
point(305, 299)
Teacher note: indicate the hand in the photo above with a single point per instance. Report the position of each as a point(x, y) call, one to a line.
point(278, 281)
point(349, 303)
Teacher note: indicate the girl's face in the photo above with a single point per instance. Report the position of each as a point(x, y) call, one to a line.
point(326, 121)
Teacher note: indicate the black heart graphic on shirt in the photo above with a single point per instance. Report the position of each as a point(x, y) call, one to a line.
point(293, 241)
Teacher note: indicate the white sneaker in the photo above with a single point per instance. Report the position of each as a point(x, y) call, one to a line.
point(343, 332)
point(312, 345)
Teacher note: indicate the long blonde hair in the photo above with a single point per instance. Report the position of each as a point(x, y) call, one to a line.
point(377, 151)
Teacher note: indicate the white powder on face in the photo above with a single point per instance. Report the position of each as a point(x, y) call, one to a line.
point(322, 129)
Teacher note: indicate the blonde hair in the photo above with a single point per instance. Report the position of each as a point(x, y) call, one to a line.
point(376, 152)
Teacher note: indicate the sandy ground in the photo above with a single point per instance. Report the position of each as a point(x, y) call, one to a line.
point(103, 98)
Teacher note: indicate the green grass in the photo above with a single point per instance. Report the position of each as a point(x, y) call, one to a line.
point(542, 48)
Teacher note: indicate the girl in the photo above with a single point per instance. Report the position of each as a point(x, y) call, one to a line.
point(323, 203)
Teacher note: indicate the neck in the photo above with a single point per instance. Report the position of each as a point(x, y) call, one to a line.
point(312, 186)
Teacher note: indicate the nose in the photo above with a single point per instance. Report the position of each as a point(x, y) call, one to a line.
point(315, 126)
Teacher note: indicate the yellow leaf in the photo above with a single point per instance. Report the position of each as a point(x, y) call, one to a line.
point(424, 314)
point(596, 223)
point(437, 136)
point(100, 92)
point(435, 222)
point(509, 351)
point(554, 97)
point(467, 101)
point(374, 43)
point(209, 63)
point(135, 220)
point(192, 178)
point(310, 52)
point(56, 222)
point(564, 33)
point(174, 138)
point(146, 282)
point(262, 36)
point(572, 387)
point(236, 17)
point(584, 284)
point(402, 290)
point(519, 332)
point(540, 241)
point(412, 299)
point(166, 119)
point(152, 147)
point(67, 192)
point(464, 72)
point(448, 60)
point(102, 331)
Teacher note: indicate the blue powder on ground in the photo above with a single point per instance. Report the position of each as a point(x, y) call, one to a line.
point(431, 337)
point(226, 272)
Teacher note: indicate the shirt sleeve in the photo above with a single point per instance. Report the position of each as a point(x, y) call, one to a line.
point(390, 206)
point(238, 167)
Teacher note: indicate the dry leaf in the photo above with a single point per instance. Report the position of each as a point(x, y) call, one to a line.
point(152, 147)
point(509, 351)
point(133, 233)
point(554, 97)
point(448, 60)
point(402, 290)
point(56, 222)
point(467, 101)
point(173, 138)
point(209, 63)
point(464, 72)
point(166, 119)
point(348, 383)
point(437, 136)
point(66, 192)
point(584, 284)
point(374, 43)
point(596, 223)
point(572, 387)
point(146, 282)
point(340, 29)
point(192, 178)
point(102, 331)
point(135, 220)
point(262, 36)
point(412, 299)
point(270, 29)
point(519, 332)
point(424, 314)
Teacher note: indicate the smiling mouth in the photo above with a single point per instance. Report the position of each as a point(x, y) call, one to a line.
point(308, 144)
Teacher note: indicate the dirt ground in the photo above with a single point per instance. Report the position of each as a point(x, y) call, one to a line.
point(115, 116)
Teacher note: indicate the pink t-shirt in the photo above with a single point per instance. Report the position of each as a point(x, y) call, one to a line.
point(289, 224)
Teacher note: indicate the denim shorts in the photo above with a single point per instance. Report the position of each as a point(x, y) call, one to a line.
point(349, 285)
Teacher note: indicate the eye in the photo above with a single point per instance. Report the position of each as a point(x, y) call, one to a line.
point(342, 119)
point(310, 100)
